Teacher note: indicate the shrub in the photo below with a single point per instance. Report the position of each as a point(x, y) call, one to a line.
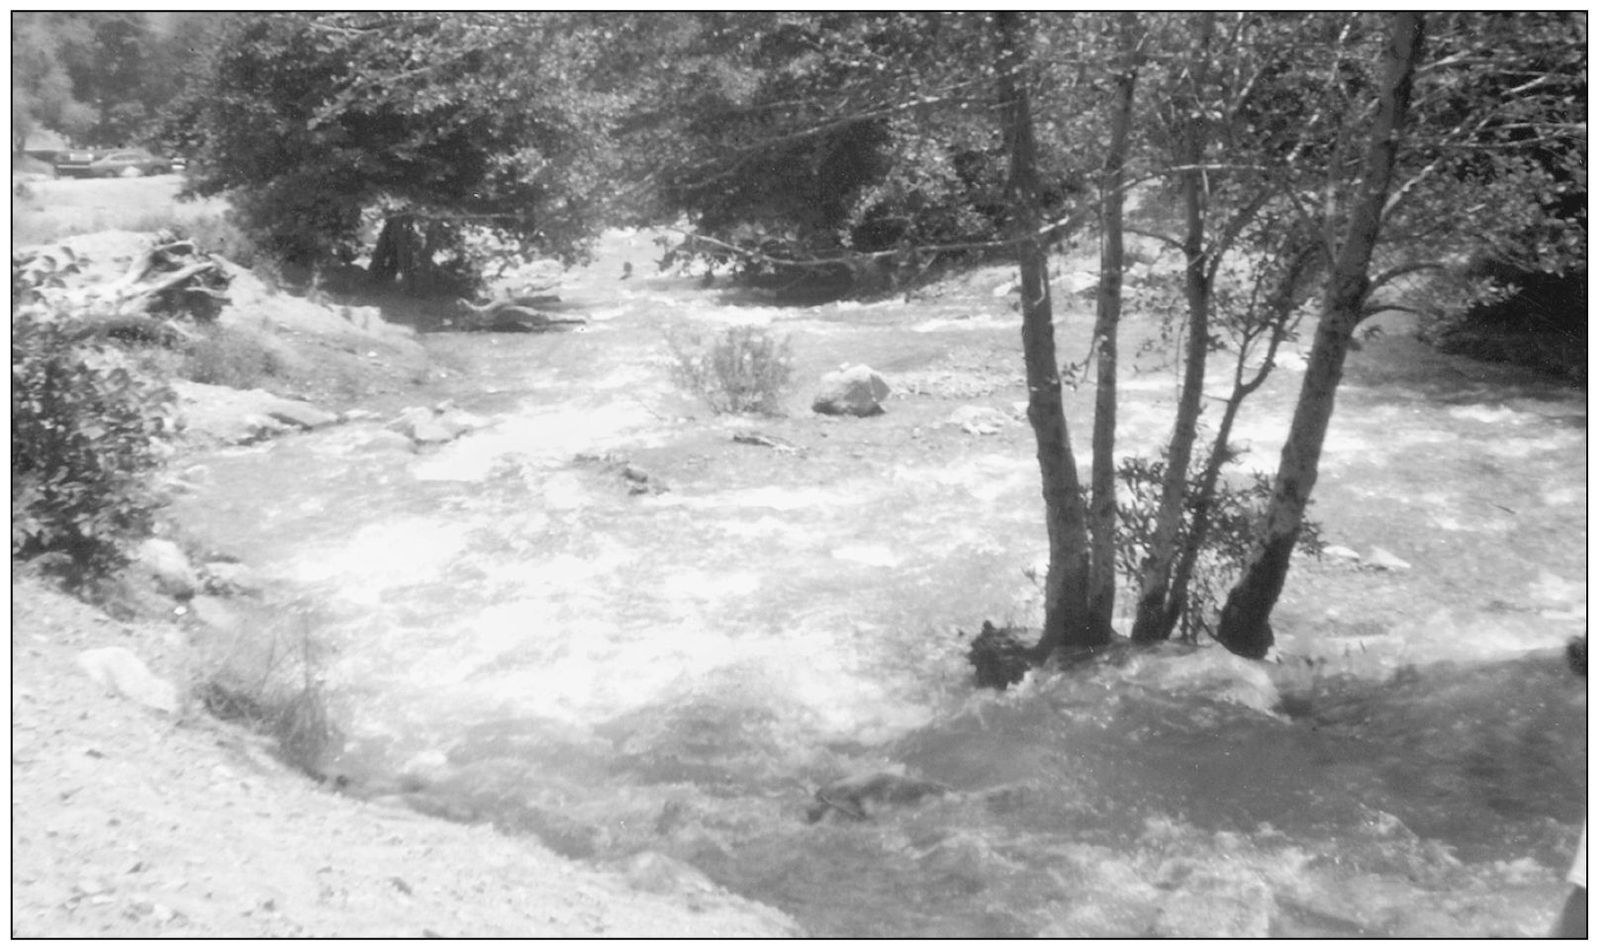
point(214, 232)
point(220, 356)
point(1234, 525)
point(269, 677)
point(87, 427)
point(745, 369)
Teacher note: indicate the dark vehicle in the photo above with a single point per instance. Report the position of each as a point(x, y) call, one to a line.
point(124, 163)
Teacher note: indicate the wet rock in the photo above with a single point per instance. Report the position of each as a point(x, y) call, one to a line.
point(1380, 559)
point(120, 671)
point(1216, 901)
point(218, 414)
point(385, 440)
point(1340, 554)
point(428, 767)
point(227, 577)
point(431, 432)
point(850, 796)
point(302, 415)
point(437, 425)
point(857, 390)
point(167, 566)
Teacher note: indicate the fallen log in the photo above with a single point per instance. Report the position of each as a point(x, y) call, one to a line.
point(519, 314)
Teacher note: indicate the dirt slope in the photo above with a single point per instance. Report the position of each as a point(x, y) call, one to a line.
point(126, 822)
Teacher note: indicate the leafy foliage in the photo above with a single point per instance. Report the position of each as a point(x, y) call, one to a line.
point(319, 123)
point(1233, 519)
point(745, 369)
point(87, 428)
point(806, 140)
point(101, 78)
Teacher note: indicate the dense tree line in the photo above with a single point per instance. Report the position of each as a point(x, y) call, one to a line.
point(1305, 171)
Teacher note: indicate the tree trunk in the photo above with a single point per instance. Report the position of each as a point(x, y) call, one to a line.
point(1152, 619)
point(1067, 579)
point(1109, 307)
point(1283, 302)
point(1244, 623)
point(397, 252)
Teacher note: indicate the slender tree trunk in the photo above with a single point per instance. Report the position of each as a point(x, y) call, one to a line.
point(1109, 307)
point(1244, 623)
point(1067, 579)
point(1152, 622)
point(1282, 303)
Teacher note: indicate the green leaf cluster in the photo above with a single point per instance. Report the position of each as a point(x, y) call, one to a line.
point(87, 430)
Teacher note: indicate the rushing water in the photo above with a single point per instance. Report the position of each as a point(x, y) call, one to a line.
point(517, 640)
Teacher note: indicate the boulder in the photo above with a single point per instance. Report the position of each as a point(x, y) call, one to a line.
point(121, 672)
point(167, 566)
point(229, 578)
point(218, 414)
point(857, 390)
point(437, 425)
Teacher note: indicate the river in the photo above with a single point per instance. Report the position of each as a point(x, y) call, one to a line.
point(513, 633)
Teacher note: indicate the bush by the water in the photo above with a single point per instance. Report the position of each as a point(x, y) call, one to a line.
point(745, 369)
point(1234, 515)
point(221, 356)
point(269, 678)
point(87, 428)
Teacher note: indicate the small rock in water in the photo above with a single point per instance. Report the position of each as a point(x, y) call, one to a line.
point(121, 671)
point(1380, 559)
point(980, 419)
point(850, 796)
point(1335, 551)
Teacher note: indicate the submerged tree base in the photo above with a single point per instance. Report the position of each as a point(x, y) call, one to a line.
point(999, 658)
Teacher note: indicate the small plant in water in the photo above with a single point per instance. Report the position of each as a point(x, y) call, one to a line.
point(745, 369)
point(270, 680)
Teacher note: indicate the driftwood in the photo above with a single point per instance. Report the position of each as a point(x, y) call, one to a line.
point(164, 288)
point(518, 314)
point(173, 278)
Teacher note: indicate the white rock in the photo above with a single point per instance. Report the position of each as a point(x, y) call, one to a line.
point(857, 390)
point(168, 567)
point(1380, 559)
point(980, 419)
point(120, 671)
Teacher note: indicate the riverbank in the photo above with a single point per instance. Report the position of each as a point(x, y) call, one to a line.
point(133, 821)
point(127, 822)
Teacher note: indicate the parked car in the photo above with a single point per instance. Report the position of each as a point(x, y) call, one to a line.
point(124, 163)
